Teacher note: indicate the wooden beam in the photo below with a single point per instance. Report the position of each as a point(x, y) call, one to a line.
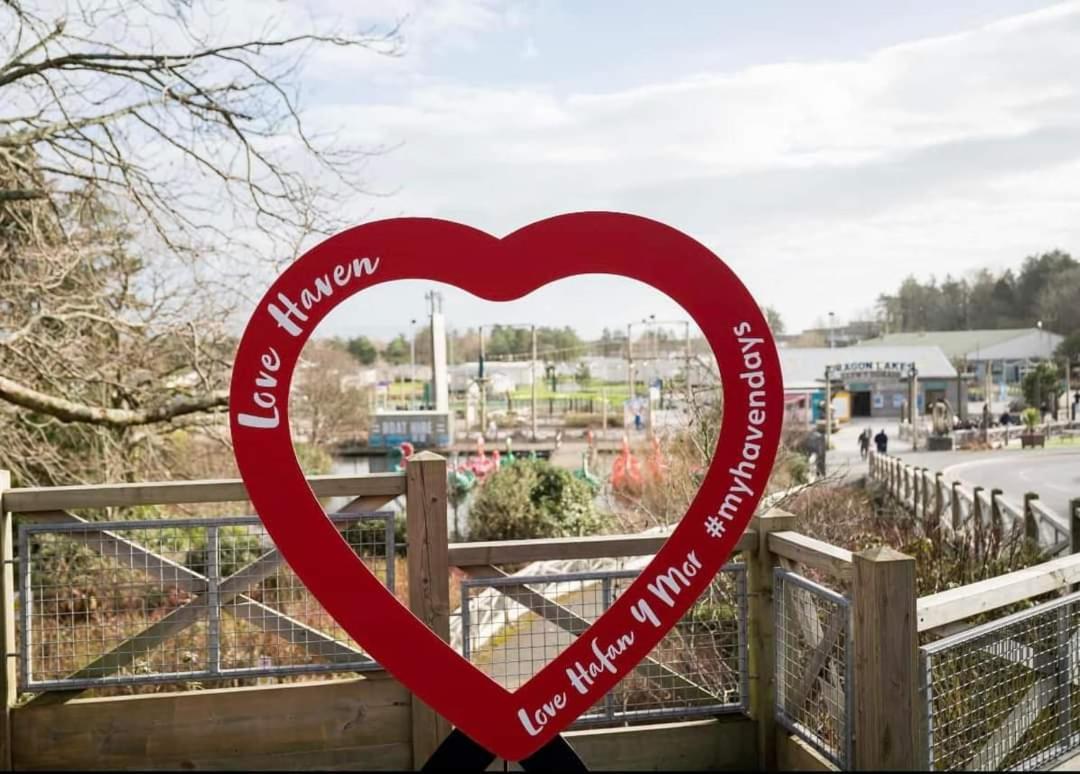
point(429, 579)
point(290, 726)
point(294, 632)
point(567, 619)
point(176, 621)
point(716, 744)
point(887, 700)
point(762, 642)
point(812, 552)
point(819, 658)
point(166, 492)
point(112, 546)
point(9, 646)
point(593, 547)
point(1011, 731)
point(965, 601)
point(793, 754)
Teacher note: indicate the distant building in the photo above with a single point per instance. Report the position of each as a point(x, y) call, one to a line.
point(841, 336)
point(1008, 352)
point(868, 381)
point(509, 375)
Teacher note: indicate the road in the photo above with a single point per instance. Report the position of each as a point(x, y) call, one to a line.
point(1053, 473)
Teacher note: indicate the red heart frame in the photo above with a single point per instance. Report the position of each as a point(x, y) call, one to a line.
point(502, 270)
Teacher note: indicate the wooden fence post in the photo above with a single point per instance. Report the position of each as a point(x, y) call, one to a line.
point(429, 578)
point(939, 500)
point(977, 514)
point(1074, 533)
point(8, 675)
point(887, 721)
point(957, 517)
point(1074, 524)
point(925, 495)
point(916, 474)
point(762, 622)
point(1031, 522)
point(996, 527)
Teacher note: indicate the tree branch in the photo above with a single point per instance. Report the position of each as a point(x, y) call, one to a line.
point(21, 194)
point(69, 411)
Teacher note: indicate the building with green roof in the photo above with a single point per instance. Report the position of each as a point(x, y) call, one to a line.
point(1007, 352)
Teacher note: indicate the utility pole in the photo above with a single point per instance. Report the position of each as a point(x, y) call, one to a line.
point(1068, 390)
point(534, 384)
point(828, 418)
point(603, 409)
point(689, 392)
point(483, 386)
point(412, 362)
point(913, 406)
point(630, 359)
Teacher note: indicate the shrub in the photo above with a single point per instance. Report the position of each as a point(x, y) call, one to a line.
point(533, 499)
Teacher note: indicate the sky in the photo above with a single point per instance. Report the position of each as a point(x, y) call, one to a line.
point(824, 150)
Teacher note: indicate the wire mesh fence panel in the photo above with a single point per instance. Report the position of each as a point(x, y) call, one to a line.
point(178, 600)
point(513, 626)
point(1003, 695)
point(814, 690)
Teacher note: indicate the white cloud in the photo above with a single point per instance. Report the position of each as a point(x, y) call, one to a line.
point(811, 178)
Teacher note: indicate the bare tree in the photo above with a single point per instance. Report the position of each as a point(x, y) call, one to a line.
point(326, 407)
point(148, 169)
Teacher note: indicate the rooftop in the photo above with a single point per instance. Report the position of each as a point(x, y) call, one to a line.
point(969, 344)
point(804, 367)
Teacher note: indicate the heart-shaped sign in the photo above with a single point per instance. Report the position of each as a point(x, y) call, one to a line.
point(515, 724)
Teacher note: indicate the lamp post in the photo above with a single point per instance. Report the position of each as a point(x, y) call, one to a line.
point(913, 405)
point(686, 343)
point(412, 362)
point(828, 419)
point(483, 385)
point(832, 338)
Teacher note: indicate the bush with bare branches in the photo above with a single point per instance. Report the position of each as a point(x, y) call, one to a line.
point(151, 165)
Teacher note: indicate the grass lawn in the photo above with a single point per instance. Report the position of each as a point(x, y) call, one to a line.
point(616, 392)
point(1063, 440)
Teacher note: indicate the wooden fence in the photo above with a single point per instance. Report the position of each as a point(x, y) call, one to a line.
point(371, 722)
point(951, 506)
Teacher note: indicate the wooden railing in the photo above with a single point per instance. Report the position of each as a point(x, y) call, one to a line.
point(54, 728)
point(395, 730)
point(953, 506)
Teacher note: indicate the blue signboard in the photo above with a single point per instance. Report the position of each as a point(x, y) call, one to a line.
point(423, 429)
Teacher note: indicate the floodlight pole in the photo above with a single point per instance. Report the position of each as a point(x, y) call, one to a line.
point(828, 419)
point(534, 383)
point(913, 406)
point(483, 386)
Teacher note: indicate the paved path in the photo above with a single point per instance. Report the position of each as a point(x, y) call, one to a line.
point(843, 459)
point(1053, 473)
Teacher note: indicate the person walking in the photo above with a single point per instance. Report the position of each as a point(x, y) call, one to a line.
point(882, 442)
point(864, 443)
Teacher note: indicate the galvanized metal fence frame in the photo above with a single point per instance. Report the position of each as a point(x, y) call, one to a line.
point(212, 581)
point(843, 754)
point(1056, 671)
point(606, 579)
